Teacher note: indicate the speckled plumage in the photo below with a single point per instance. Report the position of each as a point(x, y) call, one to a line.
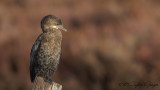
point(45, 53)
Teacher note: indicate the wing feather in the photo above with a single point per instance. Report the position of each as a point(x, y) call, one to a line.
point(34, 49)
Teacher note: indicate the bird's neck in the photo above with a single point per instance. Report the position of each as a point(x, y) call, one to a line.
point(53, 30)
point(54, 33)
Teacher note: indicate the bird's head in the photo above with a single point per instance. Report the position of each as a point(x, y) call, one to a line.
point(51, 22)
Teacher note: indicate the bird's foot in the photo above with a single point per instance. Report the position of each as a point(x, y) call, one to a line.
point(48, 80)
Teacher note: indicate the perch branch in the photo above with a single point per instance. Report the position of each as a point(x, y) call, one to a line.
point(40, 84)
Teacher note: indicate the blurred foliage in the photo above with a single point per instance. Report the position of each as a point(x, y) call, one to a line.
point(108, 42)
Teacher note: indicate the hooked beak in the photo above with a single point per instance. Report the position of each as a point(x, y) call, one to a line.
point(59, 27)
point(62, 28)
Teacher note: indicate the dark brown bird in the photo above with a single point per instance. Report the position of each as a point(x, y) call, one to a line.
point(45, 53)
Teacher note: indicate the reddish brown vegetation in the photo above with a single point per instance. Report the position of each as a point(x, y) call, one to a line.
point(107, 42)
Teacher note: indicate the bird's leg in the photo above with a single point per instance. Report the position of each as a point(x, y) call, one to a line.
point(47, 80)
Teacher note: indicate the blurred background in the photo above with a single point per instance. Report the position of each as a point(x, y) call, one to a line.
point(108, 43)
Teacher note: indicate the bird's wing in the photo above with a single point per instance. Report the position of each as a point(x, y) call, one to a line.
point(32, 58)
